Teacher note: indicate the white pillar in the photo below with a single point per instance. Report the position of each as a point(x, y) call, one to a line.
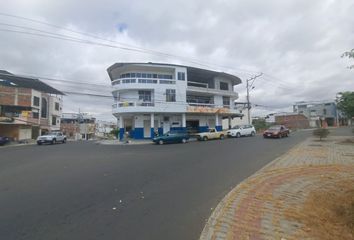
point(152, 120)
point(229, 123)
point(121, 122)
point(216, 120)
point(183, 120)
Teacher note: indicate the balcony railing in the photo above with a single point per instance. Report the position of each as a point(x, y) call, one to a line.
point(142, 81)
point(133, 104)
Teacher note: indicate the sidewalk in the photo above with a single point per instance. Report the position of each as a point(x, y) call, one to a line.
point(297, 196)
point(118, 142)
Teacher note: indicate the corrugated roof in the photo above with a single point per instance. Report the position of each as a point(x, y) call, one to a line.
point(11, 80)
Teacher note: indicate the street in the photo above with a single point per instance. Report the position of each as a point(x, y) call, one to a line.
point(82, 190)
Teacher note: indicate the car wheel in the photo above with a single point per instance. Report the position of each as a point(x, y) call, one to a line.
point(39, 143)
point(222, 137)
point(280, 136)
point(238, 135)
point(53, 141)
point(64, 140)
point(253, 134)
point(184, 140)
point(205, 138)
point(160, 142)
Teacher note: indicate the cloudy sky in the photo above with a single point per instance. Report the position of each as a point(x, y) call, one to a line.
point(296, 44)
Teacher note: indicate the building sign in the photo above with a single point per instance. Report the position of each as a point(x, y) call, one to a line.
point(191, 109)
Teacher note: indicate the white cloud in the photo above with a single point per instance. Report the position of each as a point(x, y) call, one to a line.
point(297, 43)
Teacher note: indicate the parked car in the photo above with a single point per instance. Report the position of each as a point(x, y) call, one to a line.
point(244, 130)
point(171, 138)
point(51, 138)
point(212, 133)
point(4, 140)
point(277, 131)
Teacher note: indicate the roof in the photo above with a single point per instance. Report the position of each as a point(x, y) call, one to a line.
point(192, 72)
point(11, 80)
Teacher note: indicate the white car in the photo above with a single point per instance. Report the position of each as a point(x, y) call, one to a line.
point(51, 138)
point(244, 130)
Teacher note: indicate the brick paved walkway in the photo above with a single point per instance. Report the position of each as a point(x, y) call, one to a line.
point(266, 205)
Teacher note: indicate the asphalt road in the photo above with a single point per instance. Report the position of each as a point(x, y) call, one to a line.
point(87, 191)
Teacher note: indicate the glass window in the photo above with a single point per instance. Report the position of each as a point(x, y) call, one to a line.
point(133, 75)
point(224, 86)
point(57, 106)
point(149, 75)
point(44, 109)
point(181, 76)
point(36, 101)
point(143, 75)
point(154, 75)
point(170, 95)
point(226, 101)
point(35, 115)
point(138, 75)
point(145, 96)
point(54, 121)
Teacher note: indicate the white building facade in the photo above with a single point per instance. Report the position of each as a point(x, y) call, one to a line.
point(152, 98)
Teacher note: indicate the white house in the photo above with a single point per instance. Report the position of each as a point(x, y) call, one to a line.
point(154, 97)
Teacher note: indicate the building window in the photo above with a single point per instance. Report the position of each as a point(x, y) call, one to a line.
point(324, 111)
point(35, 115)
point(226, 101)
point(54, 121)
point(44, 109)
point(181, 76)
point(224, 86)
point(170, 95)
point(57, 106)
point(36, 101)
point(145, 96)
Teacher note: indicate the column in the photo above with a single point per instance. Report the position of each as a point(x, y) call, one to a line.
point(229, 122)
point(121, 128)
point(152, 120)
point(184, 128)
point(217, 124)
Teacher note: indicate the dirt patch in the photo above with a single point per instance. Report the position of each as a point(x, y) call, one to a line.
point(328, 213)
point(349, 141)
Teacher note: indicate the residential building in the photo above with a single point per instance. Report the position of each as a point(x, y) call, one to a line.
point(78, 126)
point(320, 114)
point(28, 107)
point(154, 98)
point(104, 128)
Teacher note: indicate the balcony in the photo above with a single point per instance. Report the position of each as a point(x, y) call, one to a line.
point(198, 87)
point(135, 81)
point(127, 104)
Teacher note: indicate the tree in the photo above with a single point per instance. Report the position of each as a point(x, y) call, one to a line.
point(349, 54)
point(345, 103)
point(259, 124)
point(321, 133)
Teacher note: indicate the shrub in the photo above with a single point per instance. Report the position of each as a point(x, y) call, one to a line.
point(321, 133)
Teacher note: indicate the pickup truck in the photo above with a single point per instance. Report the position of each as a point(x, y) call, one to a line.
point(212, 133)
point(51, 138)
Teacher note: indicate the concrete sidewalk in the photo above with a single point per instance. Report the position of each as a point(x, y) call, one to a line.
point(271, 203)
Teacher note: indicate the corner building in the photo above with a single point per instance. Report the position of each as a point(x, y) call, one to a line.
point(155, 97)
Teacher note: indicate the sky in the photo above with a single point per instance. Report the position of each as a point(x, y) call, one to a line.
point(297, 45)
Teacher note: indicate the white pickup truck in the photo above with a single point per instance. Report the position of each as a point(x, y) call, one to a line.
point(212, 133)
point(51, 138)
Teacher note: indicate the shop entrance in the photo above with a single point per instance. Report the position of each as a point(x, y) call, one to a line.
point(192, 126)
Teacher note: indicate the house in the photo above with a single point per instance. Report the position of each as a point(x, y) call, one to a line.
point(320, 114)
point(78, 126)
point(154, 98)
point(104, 128)
point(28, 107)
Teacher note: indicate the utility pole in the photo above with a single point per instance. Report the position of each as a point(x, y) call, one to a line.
point(248, 95)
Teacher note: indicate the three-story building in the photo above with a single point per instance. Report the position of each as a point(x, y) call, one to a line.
point(153, 97)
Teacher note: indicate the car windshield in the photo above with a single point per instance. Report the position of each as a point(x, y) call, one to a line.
point(236, 127)
point(274, 128)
